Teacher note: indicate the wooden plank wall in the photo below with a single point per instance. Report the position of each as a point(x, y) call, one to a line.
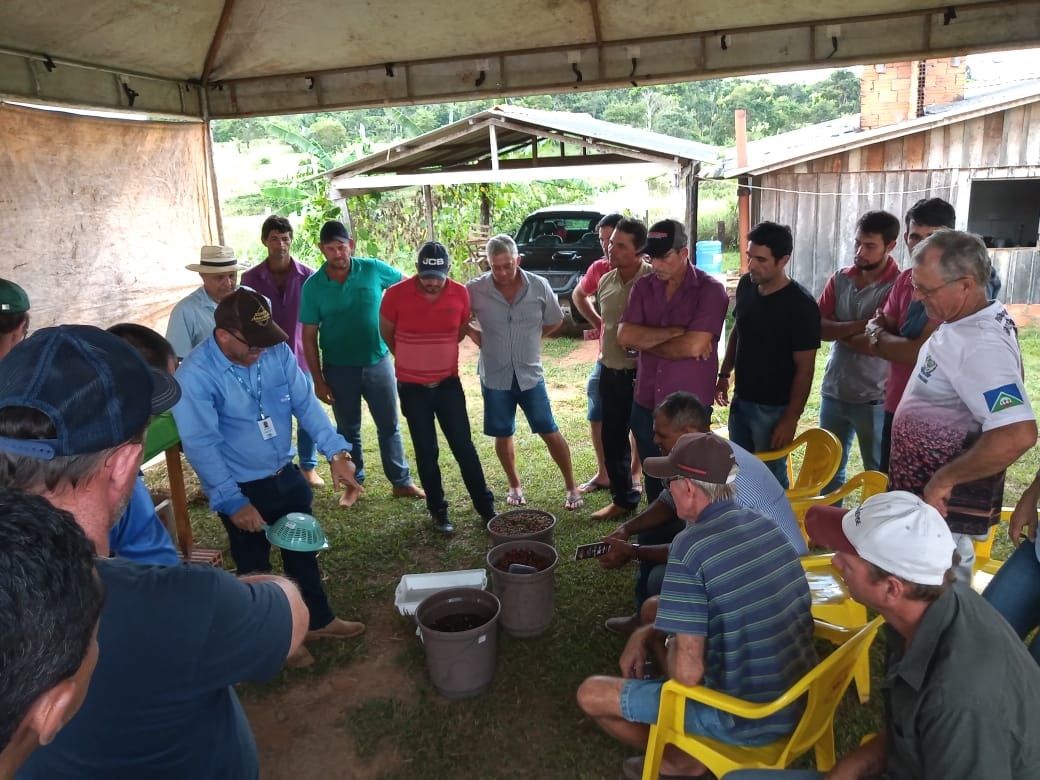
point(822, 199)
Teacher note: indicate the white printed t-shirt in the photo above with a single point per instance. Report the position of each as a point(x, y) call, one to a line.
point(968, 379)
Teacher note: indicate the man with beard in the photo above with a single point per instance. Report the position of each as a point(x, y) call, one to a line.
point(776, 333)
point(854, 381)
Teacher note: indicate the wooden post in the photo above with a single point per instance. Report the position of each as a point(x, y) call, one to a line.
point(692, 191)
point(427, 192)
point(743, 191)
point(485, 205)
point(720, 232)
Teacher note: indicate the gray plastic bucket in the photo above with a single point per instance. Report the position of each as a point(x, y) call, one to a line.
point(528, 600)
point(461, 663)
point(545, 535)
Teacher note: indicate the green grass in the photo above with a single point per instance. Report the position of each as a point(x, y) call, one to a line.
point(527, 724)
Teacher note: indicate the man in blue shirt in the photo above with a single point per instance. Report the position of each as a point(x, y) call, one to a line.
point(174, 640)
point(756, 488)
point(192, 317)
point(735, 605)
point(240, 391)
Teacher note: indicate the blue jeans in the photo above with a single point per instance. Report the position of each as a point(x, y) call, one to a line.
point(376, 383)
point(1015, 593)
point(751, 426)
point(424, 407)
point(642, 424)
point(305, 446)
point(595, 404)
point(864, 421)
point(274, 497)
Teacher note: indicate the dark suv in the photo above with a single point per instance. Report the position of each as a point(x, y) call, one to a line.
point(559, 243)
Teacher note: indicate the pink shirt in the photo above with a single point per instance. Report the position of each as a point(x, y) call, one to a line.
point(426, 334)
point(590, 281)
point(899, 299)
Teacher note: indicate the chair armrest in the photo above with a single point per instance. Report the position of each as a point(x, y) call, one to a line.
point(727, 703)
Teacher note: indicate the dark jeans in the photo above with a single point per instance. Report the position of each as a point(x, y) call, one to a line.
point(651, 575)
point(886, 440)
point(616, 389)
point(446, 402)
point(273, 498)
point(642, 422)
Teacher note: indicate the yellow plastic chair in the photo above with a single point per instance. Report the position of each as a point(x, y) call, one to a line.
point(820, 462)
point(823, 688)
point(837, 615)
point(868, 483)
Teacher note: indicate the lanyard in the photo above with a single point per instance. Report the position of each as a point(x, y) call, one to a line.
point(249, 392)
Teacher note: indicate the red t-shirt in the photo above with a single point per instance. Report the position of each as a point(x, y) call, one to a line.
point(426, 334)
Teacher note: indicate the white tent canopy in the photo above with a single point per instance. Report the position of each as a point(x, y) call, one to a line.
point(233, 58)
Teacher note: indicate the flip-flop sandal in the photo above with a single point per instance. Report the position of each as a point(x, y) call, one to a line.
point(573, 501)
point(515, 497)
point(592, 486)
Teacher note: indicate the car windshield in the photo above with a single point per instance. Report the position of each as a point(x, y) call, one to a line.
point(559, 229)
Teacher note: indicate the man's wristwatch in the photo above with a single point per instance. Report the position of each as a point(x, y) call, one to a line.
point(341, 455)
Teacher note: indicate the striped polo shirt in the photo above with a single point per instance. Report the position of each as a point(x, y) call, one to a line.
point(733, 580)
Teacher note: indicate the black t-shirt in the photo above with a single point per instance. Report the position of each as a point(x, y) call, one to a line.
point(771, 328)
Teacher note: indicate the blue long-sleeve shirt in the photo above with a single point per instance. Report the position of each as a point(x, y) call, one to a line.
point(219, 412)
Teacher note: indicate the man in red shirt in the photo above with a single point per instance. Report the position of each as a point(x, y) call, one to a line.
point(422, 320)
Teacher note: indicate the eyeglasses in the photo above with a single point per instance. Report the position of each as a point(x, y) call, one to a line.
point(669, 480)
point(928, 292)
point(252, 350)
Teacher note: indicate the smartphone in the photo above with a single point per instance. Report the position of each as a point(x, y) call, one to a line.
point(593, 550)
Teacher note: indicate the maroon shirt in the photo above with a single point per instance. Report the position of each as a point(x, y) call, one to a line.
point(285, 304)
point(699, 304)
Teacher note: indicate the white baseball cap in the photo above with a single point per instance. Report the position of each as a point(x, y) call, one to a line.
point(896, 531)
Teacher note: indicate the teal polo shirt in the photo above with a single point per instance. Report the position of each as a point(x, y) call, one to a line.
point(347, 315)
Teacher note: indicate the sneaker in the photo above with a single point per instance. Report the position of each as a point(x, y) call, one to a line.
point(622, 625)
point(313, 478)
point(442, 523)
point(487, 515)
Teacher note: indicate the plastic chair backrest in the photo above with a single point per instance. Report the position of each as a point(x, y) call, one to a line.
point(823, 688)
point(820, 461)
point(868, 483)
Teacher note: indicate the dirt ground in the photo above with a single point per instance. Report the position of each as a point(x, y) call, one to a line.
point(300, 731)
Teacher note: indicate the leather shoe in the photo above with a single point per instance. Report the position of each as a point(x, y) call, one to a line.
point(411, 490)
point(442, 523)
point(313, 478)
point(609, 512)
point(338, 629)
point(300, 658)
point(622, 625)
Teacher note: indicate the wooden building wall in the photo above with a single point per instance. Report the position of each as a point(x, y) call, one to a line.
point(822, 199)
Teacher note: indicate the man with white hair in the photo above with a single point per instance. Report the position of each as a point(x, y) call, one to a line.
point(735, 606)
point(191, 320)
point(962, 690)
point(965, 415)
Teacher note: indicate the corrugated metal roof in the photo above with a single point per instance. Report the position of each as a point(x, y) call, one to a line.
point(839, 135)
point(466, 146)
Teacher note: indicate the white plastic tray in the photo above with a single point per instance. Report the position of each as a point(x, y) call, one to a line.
point(413, 588)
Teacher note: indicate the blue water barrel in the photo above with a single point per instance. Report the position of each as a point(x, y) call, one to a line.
point(709, 256)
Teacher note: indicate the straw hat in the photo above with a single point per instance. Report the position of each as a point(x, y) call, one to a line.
point(216, 260)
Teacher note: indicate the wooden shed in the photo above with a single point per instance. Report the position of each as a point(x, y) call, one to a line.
point(980, 152)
